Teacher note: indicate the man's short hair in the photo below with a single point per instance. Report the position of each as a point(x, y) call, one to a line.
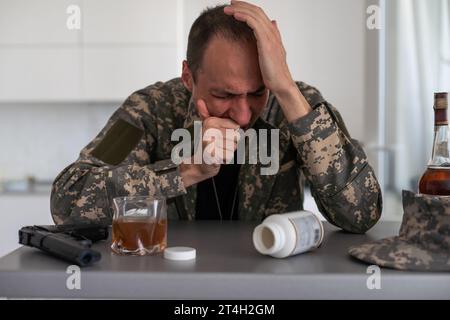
point(213, 22)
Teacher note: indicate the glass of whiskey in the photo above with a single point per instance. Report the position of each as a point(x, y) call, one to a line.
point(139, 225)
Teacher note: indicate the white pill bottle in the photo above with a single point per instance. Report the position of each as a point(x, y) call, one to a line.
point(284, 235)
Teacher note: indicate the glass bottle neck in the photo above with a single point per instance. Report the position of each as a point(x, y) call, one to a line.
point(440, 156)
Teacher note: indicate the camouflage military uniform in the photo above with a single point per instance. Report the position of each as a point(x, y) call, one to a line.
point(316, 147)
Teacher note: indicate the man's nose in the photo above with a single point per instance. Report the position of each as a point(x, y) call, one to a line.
point(241, 112)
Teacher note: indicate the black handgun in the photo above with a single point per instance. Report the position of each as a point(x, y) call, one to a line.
point(69, 242)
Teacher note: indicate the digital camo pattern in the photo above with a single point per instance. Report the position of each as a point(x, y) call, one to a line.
point(423, 243)
point(316, 147)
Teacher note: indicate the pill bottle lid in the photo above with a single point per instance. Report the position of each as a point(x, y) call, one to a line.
point(179, 253)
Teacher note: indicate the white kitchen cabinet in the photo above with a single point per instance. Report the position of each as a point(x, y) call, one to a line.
point(27, 23)
point(130, 22)
point(115, 73)
point(40, 73)
point(122, 46)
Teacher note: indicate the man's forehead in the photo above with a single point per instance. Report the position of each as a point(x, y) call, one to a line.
point(236, 89)
point(230, 65)
point(230, 84)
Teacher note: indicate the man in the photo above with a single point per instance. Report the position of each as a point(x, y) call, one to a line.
point(235, 76)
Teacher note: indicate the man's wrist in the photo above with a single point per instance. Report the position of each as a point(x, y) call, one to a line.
point(188, 174)
point(292, 102)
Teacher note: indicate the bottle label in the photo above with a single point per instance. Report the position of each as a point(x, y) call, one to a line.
point(309, 232)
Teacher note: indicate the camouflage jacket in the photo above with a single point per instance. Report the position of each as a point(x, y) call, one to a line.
point(316, 147)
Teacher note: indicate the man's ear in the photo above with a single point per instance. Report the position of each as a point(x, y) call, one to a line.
point(186, 76)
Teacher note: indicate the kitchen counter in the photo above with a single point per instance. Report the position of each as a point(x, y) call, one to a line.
point(227, 267)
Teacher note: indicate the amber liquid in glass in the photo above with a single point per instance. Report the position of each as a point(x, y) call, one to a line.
point(139, 235)
point(435, 181)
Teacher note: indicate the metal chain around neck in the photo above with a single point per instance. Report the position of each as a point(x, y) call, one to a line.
point(218, 203)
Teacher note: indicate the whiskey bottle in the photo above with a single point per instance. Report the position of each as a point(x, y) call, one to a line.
point(436, 179)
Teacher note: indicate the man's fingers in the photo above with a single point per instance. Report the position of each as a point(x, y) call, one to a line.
point(244, 7)
point(259, 23)
point(251, 7)
point(223, 138)
point(224, 123)
point(229, 124)
point(274, 23)
point(222, 156)
point(202, 109)
point(226, 145)
point(213, 154)
point(220, 148)
point(244, 14)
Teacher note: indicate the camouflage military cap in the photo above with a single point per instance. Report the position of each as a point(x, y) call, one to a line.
point(423, 243)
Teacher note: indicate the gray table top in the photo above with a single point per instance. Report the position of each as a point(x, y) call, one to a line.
point(227, 267)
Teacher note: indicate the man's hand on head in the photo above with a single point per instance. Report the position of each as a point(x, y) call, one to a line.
point(272, 55)
point(272, 58)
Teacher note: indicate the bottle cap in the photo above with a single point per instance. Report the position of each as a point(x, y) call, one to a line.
point(440, 100)
point(180, 253)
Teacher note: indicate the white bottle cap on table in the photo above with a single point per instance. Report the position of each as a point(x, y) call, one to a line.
point(179, 253)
